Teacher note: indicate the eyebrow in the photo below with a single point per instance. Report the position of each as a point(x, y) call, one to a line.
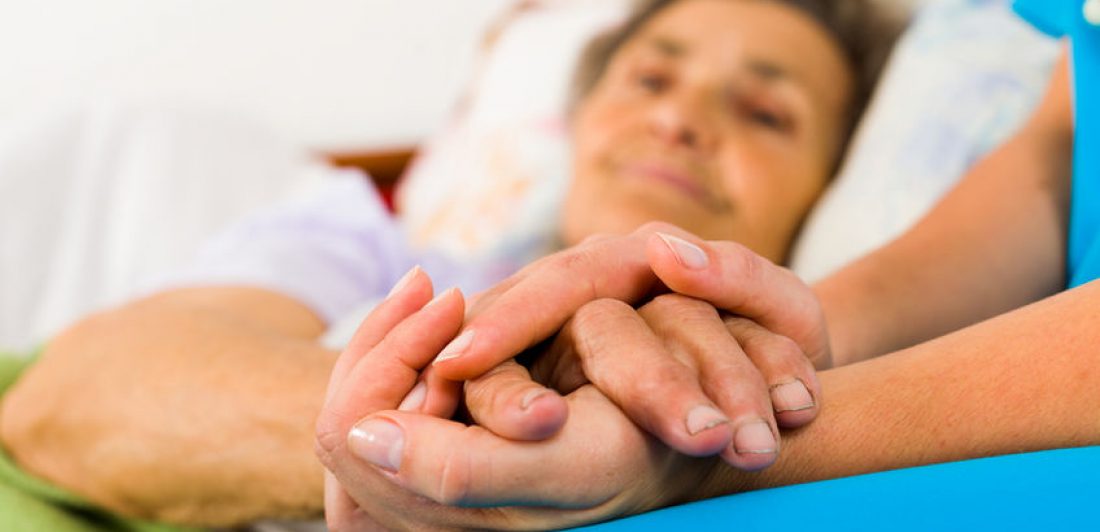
point(668, 46)
point(768, 71)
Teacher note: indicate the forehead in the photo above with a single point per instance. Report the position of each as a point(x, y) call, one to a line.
point(768, 36)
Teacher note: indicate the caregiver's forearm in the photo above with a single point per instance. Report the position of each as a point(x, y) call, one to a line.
point(1024, 381)
point(995, 243)
point(192, 406)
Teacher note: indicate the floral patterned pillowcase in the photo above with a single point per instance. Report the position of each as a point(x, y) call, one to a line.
point(488, 186)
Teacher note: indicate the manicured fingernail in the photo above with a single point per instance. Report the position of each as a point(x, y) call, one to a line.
point(405, 280)
point(690, 256)
point(791, 397)
point(754, 438)
point(441, 297)
point(532, 396)
point(704, 417)
point(456, 348)
point(379, 442)
point(415, 399)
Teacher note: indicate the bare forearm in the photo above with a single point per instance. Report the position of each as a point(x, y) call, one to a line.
point(187, 407)
point(1024, 381)
point(994, 244)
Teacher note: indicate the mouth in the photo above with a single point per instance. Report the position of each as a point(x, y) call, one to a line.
point(671, 176)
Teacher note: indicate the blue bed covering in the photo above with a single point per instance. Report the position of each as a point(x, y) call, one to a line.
point(1050, 490)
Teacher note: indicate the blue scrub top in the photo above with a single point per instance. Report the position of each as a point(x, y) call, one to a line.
point(1066, 18)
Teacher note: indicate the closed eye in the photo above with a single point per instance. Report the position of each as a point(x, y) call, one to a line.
point(652, 83)
point(767, 119)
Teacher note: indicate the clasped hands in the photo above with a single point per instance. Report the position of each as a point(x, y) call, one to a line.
point(618, 409)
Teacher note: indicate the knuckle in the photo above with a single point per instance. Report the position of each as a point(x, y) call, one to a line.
point(455, 478)
point(677, 309)
point(784, 348)
point(594, 315)
point(327, 439)
point(595, 237)
point(746, 263)
point(741, 390)
point(651, 227)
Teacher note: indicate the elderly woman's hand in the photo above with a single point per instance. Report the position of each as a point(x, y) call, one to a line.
point(697, 379)
point(701, 382)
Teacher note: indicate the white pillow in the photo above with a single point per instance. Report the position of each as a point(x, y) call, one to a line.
point(964, 76)
point(489, 186)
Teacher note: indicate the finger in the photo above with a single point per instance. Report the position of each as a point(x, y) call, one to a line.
point(791, 379)
point(624, 359)
point(383, 377)
point(433, 395)
point(733, 278)
point(460, 465)
point(559, 367)
point(546, 294)
point(411, 293)
point(342, 514)
point(725, 374)
point(508, 403)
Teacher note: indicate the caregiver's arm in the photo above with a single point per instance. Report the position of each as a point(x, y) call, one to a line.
point(995, 243)
point(192, 406)
point(1023, 381)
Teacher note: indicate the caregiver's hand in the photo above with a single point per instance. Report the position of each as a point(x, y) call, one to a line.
point(658, 258)
point(373, 451)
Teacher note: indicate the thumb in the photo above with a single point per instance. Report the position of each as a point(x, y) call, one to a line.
point(734, 278)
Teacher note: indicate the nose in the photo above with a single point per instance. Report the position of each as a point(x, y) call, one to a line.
point(681, 120)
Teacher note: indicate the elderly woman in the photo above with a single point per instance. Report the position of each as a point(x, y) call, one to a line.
point(724, 117)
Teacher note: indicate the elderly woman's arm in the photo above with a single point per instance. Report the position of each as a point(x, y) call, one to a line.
point(192, 406)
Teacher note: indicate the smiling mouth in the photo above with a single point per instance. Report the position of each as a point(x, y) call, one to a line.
point(679, 180)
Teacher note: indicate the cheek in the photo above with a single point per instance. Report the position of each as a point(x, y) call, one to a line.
point(771, 189)
point(600, 126)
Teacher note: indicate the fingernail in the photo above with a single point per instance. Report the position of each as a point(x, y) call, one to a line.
point(379, 442)
point(415, 399)
point(531, 397)
point(754, 438)
point(441, 297)
point(704, 417)
point(690, 256)
point(456, 348)
point(791, 397)
point(405, 280)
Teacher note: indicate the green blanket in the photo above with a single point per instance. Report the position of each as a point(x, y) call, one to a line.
point(30, 504)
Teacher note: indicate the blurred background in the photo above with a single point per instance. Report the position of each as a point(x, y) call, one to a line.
point(132, 131)
point(332, 74)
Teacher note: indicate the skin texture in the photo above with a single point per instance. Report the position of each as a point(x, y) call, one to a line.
point(160, 417)
point(203, 356)
point(1017, 383)
point(1021, 381)
point(721, 117)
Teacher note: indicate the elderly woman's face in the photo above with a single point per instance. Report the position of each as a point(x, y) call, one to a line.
point(724, 117)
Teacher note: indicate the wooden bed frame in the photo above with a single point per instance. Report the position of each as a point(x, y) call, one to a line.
point(385, 166)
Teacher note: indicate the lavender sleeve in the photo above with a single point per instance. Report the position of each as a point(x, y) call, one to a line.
point(332, 249)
